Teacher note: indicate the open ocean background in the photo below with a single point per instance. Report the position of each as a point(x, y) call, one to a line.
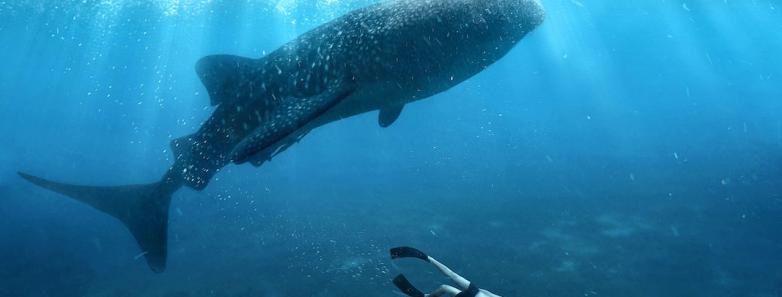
point(625, 148)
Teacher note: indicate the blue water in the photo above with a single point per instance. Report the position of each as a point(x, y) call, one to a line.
point(625, 148)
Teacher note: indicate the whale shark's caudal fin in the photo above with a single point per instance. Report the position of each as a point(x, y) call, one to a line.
point(142, 208)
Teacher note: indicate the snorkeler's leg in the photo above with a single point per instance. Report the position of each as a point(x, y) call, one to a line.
point(444, 289)
point(458, 279)
point(489, 294)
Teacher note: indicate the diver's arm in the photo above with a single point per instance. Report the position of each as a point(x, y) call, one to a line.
point(458, 279)
point(443, 290)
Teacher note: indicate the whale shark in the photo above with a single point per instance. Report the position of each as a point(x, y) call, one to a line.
point(376, 58)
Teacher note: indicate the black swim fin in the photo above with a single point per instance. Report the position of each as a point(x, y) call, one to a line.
point(406, 287)
point(142, 208)
point(408, 252)
point(471, 291)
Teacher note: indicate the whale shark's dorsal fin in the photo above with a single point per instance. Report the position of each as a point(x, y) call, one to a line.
point(389, 115)
point(224, 76)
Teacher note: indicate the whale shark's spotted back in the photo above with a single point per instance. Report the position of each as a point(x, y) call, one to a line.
point(376, 58)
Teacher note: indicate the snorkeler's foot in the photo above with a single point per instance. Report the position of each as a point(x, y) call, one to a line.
point(406, 287)
point(408, 252)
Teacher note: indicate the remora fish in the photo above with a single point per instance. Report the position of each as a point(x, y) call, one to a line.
point(376, 58)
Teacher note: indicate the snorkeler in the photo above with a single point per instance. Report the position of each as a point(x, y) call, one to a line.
point(469, 289)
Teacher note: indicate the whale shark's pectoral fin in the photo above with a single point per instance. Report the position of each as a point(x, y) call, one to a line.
point(389, 115)
point(224, 76)
point(285, 118)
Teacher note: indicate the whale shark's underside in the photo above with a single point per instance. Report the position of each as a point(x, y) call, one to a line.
point(376, 58)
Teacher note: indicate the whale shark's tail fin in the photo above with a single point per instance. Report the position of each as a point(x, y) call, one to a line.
point(142, 208)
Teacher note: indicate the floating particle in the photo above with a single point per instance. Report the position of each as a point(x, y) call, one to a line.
point(142, 254)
